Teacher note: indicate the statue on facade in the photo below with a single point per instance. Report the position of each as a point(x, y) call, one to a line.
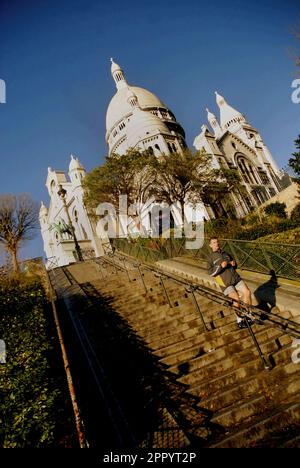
point(62, 228)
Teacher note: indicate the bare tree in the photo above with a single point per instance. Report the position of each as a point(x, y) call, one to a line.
point(18, 220)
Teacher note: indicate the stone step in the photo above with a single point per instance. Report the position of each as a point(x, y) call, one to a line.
point(235, 377)
point(163, 342)
point(253, 433)
point(283, 355)
point(269, 383)
point(294, 442)
point(235, 349)
point(192, 345)
point(208, 368)
point(230, 395)
point(159, 312)
point(232, 416)
point(144, 325)
point(177, 355)
point(195, 325)
point(221, 366)
point(221, 360)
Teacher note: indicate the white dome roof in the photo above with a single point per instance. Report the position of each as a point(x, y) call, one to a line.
point(210, 115)
point(143, 124)
point(228, 115)
point(119, 107)
point(114, 66)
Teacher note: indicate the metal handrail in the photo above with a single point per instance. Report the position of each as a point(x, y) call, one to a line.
point(77, 416)
point(246, 311)
point(257, 256)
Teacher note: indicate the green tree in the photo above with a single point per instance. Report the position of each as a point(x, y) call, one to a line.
point(276, 209)
point(294, 162)
point(18, 221)
point(119, 175)
point(189, 177)
point(295, 214)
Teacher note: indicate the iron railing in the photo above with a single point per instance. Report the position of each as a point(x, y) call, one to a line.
point(282, 260)
point(118, 262)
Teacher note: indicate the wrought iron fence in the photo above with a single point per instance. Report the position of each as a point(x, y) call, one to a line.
point(261, 257)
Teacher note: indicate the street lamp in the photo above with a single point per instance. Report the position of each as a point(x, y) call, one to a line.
point(62, 195)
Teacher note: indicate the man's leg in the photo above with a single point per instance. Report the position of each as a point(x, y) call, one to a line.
point(245, 291)
point(236, 298)
point(234, 295)
point(247, 299)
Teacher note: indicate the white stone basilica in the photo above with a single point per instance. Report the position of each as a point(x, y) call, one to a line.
point(136, 118)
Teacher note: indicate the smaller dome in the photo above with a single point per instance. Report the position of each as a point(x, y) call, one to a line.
point(229, 116)
point(43, 210)
point(114, 66)
point(75, 164)
point(219, 99)
point(210, 115)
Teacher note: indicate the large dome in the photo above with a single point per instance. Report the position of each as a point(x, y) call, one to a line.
point(141, 124)
point(119, 107)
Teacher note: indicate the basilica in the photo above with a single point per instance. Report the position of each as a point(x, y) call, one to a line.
point(136, 118)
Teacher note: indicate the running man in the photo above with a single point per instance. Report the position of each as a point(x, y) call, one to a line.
point(222, 267)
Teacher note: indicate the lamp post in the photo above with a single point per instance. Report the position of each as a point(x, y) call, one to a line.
point(62, 195)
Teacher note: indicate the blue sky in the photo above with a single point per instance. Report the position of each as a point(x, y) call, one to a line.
point(54, 58)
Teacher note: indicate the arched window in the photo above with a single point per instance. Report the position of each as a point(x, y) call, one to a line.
point(151, 149)
point(247, 170)
point(85, 236)
point(52, 186)
point(157, 147)
point(174, 147)
point(170, 148)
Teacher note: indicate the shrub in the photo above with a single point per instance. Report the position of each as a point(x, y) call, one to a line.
point(31, 401)
point(295, 214)
point(277, 209)
point(214, 226)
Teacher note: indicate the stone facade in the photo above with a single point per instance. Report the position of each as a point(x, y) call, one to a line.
point(233, 143)
point(59, 247)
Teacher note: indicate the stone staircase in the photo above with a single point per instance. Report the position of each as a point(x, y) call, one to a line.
point(220, 369)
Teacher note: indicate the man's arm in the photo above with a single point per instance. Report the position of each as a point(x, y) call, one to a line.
point(214, 269)
point(231, 261)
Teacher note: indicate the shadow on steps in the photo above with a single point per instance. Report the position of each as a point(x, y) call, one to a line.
point(156, 407)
